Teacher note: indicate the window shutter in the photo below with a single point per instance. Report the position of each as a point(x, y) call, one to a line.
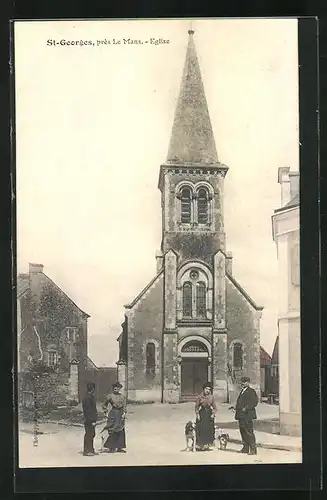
point(203, 206)
point(186, 200)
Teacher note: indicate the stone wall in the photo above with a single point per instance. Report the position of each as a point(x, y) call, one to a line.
point(219, 366)
point(243, 325)
point(145, 324)
point(52, 390)
point(171, 383)
point(193, 243)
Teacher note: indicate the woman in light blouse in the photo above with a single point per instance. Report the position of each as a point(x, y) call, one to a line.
point(205, 410)
point(115, 425)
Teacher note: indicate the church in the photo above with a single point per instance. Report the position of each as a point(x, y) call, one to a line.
point(193, 322)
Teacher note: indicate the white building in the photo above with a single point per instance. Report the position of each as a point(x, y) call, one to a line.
point(286, 234)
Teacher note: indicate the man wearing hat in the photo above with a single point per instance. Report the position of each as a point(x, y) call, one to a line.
point(90, 418)
point(245, 413)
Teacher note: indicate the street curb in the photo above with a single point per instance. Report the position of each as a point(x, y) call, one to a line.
point(267, 446)
point(71, 424)
point(270, 446)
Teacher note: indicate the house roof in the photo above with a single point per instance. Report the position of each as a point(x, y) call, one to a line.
point(243, 292)
point(22, 285)
point(140, 295)
point(293, 203)
point(265, 358)
point(67, 296)
point(192, 140)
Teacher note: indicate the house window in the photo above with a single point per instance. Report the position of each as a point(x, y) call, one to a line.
point(52, 358)
point(71, 332)
point(203, 206)
point(238, 356)
point(187, 300)
point(186, 205)
point(200, 300)
point(151, 359)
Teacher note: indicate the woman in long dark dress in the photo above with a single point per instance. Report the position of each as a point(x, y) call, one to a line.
point(205, 409)
point(115, 425)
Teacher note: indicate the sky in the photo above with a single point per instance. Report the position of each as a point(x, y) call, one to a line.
point(93, 125)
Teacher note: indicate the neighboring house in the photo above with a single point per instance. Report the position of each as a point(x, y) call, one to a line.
point(193, 320)
point(274, 372)
point(52, 331)
point(103, 377)
point(265, 366)
point(269, 374)
point(286, 234)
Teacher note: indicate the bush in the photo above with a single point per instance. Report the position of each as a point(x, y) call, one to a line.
point(72, 402)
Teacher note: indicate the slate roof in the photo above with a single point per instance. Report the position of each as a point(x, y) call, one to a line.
point(22, 284)
point(293, 203)
point(192, 140)
point(274, 357)
point(265, 358)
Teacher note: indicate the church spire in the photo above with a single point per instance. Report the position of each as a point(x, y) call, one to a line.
point(192, 140)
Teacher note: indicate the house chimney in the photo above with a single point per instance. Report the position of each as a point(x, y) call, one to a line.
point(295, 183)
point(159, 259)
point(35, 268)
point(229, 262)
point(284, 181)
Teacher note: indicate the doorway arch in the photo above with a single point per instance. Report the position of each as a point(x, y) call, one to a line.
point(195, 366)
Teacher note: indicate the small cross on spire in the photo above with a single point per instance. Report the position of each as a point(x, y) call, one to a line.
point(191, 31)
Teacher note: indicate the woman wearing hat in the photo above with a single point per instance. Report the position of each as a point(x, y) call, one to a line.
point(205, 410)
point(115, 425)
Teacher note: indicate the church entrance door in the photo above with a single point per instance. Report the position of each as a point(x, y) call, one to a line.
point(194, 373)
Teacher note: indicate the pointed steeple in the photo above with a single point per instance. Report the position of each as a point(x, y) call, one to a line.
point(192, 140)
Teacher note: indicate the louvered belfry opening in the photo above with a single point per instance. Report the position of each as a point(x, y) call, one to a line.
point(186, 205)
point(203, 206)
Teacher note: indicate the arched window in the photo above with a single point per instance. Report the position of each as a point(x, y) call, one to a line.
point(150, 359)
point(238, 356)
point(186, 205)
point(201, 300)
point(187, 299)
point(203, 206)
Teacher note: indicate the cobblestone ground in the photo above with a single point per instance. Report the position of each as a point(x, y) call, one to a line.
point(155, 436)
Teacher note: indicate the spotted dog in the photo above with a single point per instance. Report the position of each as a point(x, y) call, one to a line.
point(222, 438)
point(190, 436)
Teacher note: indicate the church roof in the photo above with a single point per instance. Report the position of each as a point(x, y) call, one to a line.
point(243, 292)
point(192, 140)
point(140, 295)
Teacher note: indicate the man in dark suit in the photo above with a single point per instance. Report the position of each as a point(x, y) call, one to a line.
point(90, 418)
point(245, 413)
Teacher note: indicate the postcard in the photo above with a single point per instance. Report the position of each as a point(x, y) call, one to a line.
point(158, 236)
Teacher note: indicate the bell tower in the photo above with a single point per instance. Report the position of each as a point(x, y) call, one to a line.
point(191, 180)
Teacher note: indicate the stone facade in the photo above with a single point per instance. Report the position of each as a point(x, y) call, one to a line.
point(52, 331)
point(193, 322)
point(145, 325)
